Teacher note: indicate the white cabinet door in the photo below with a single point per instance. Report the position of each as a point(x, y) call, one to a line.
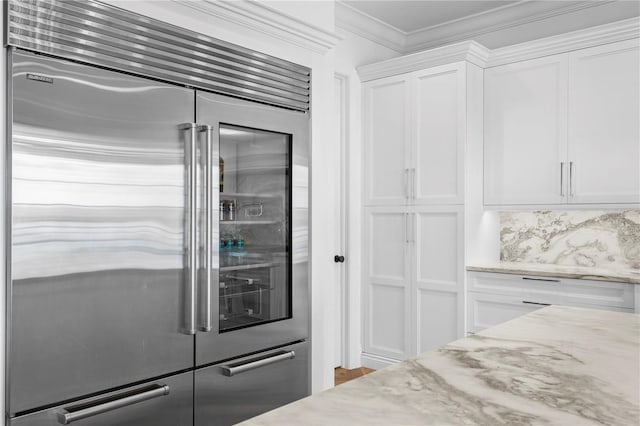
point(604, 124)
point(386, 135)
point(525, 132)
point(438, 275)
point(387, 283)
point(438, 149)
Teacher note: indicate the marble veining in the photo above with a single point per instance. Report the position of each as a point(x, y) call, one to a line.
point(555, 366)
point(594, 239)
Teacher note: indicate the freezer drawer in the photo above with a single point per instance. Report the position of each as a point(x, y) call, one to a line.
point(231, 392)
point(165, 402)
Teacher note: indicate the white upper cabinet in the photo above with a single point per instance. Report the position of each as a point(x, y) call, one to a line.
point(387, 141)
point(525, 133)
point(439, 126)
point(414, 133)
point(604, 124)
point(564, 129)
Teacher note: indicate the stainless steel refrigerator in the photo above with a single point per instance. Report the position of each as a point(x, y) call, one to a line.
point(158, 253)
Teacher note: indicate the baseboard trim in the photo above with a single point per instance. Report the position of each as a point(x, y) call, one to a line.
point(376, 362)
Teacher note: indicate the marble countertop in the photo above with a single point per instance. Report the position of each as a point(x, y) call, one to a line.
point(559, 271)
point(557, 365)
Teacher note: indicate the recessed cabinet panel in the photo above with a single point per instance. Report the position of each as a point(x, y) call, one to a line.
point(386, 134)
point(386, 245)
point(440, 130)
point(487, 310)
point(438, 247)
point(388, 317)
point(604, 124)
point(525, 132)
point(437, 318)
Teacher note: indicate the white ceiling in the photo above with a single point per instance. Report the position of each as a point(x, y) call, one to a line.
point(409, 16)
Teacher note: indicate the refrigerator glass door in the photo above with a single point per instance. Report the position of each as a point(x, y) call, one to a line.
point(97, 231)
point(259, 262)
point(255, 199)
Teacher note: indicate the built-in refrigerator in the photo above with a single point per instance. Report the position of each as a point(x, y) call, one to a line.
point(157, 250)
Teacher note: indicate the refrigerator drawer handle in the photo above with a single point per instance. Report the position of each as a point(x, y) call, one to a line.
point(232, 369)
point(82, 411)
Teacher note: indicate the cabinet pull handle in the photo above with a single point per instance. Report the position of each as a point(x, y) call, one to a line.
point(232, 369)
point(82, 411)
point(550, 280)
point(562, 178)
point(526, 302)
point(406, 184)
point(414, 225)
point(406, 233)
point(571, 178)
point(413, 184)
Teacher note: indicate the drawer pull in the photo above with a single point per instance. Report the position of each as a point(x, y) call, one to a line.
point(232, 369)
point(535, 303)
point(82, 411)
point(549, 280)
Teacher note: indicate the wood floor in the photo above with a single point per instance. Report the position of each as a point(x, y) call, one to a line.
point(342, 375)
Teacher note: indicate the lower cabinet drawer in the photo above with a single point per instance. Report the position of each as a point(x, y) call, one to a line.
point(562, 291)
point(231, 392)
point(165, 402)
point(486, 310)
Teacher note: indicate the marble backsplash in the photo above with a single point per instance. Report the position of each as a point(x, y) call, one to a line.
point(598, 239)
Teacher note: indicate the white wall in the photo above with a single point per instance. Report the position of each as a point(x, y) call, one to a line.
point(316, 12)
point(351, 52)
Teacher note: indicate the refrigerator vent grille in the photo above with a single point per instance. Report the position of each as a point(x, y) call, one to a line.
point(103, 35)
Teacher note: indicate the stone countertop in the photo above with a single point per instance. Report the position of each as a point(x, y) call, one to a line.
point(557, 365)
point(559, 271)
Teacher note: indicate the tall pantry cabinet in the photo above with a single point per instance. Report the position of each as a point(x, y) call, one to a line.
point(415, 134)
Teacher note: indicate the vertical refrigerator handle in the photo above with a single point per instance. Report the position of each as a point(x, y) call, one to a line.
point(210, 194)
point(190, 236)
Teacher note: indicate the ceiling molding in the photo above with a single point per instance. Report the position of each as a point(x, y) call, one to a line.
point(508, 16)
point(581, 39)
point(357, 22)
point(267, 20)
point(483, 57)
point(466, 28)
point(469, 51)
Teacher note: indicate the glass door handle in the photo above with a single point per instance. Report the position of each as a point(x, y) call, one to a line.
point(241, 367)
point(82, 411)
point(210, 198)
point(191, 204)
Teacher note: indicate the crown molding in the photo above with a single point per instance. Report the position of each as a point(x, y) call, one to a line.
point(351, 19)
point(483, 57)
point(581, 39)
point(458, 30)
point(469, 51)
point(501, 18)
point(267, 20)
